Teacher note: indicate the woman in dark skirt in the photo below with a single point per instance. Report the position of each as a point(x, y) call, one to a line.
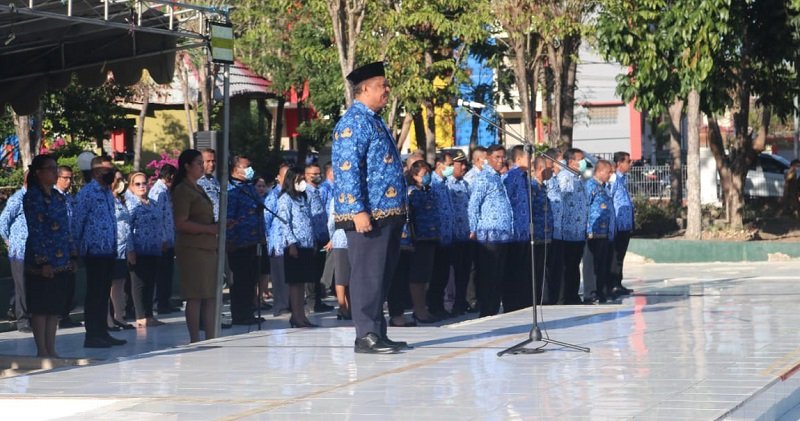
point(424, 228)
point(48, 253)
point(294, 207)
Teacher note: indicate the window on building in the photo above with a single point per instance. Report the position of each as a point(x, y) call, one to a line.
point(602, 115)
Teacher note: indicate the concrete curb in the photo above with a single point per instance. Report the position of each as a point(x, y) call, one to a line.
point(692, 251)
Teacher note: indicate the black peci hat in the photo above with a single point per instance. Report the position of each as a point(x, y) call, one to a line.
point(365, 72)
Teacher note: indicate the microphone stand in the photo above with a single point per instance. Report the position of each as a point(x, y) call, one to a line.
point(535, 334)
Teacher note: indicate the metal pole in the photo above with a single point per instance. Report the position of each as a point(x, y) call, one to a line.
point(796, 130)
point(223, 193)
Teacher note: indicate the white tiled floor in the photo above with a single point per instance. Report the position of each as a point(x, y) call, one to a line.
point(698, 341)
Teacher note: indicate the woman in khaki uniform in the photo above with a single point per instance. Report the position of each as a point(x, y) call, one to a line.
point(196, 244)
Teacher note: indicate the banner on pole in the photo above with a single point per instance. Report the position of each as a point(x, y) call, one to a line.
point(222, 43)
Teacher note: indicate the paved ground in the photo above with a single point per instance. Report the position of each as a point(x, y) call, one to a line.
point(696, 342)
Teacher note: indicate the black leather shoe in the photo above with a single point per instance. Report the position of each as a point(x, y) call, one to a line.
point(620, 290)
point(67, 323)
point(322, 308)
point(96, 343)
point(400, 345)
point(373, 344)
point(114, 341)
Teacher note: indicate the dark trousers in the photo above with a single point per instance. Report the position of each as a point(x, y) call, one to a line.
point(373, 260)
point(143, 283)
point(461, 254)
point(600, 247)
point(399, 298)
point(166, 268)
point(491, 274)
point(70, 294)
point(541, 272)
point(517, 287)
point(618, 250)
point(244, 265)
point(555, 276)
point(315, 291)
point(571, 275)
point(441, 274)
point(98, 288)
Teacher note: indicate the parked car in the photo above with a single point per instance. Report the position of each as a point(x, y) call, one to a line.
point(765, 177)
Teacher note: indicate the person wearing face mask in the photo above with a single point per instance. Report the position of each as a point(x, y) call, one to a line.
point(600, 229)
point(441, 264)
point(274, 229)
point(491, 224)
point(555, 260)
point(517, 288)
point(542, 226)
point(96, 238)
point(300, 245)
point(316, 291)
point(244, 235)
point(162, 199)
point(478, 159)
point(575, 210)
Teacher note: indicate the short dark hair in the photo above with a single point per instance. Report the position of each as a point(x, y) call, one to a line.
point(494, 148)
point(209, 150)
point(98, 160)
point(620, 156)
point(63, 168)
point(570, 153)
point(554, 153)
point(476, 149)
point(167, 171)
point(516, 152)
point(442, 157)
point(415, 169)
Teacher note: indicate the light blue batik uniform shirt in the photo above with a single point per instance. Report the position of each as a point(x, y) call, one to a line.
point(490, 215)
point(13, 227)
point(459, 200)
point(49, 241)
point(338, 237)
point(159, 194)
point(623, 205)
point(574, 206)
point(95, 223)
point(297, 214)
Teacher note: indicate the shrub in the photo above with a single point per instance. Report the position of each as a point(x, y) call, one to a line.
point(655, 218)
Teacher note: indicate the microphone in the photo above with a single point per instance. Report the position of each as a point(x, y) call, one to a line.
point(469, 104)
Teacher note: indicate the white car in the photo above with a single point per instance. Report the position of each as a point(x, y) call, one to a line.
point(765, 177)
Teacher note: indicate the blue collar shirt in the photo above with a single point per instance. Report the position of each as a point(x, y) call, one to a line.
point(297, 214)
point(147, 233)
point(542, 214)
point(490, 215)
point(554, 200)
point(575, 207)
point(210, 185)
point(445, 207)
point(95, 223)
point(163, 200)
point(49, 241)
point(516, 183)
point(245, 221)
point(623, 205)
point(123, 218)
point(600, 223)
point(319, 216)
point(13, 227)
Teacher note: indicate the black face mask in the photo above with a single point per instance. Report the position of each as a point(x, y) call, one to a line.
point(316, 179)
point(108, 178)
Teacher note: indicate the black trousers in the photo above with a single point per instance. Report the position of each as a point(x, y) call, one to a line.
point(491, 275)
point(98, 288)
point(441, 274)
point(69, 300)
point(315, 291)
point(144, 275)
point(373, 260)
point(461, 256)
point(618, 250)
point(399, 298)
point(166, 269)
point(600, 248)
point(572, 252)
point(244, 265)
point(516, 290)
point(555, 264)
point(542, 272)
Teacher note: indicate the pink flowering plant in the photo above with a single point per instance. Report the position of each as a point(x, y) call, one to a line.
point(155, 165)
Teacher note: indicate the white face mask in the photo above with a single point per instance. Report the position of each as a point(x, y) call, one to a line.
point(301, 186)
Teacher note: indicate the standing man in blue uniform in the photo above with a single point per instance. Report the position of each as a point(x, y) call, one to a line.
point(95, 227)
point(161, 197)
point(208, 182)
point(245, 233)
point(517, 291)
point(555, 263)
point(491, 224)
point(623, 212)
point(575, 210)
point(370, 204)
point(600, 230)
point(14, 230)
point(462, 250)
point(316, 291)
point(63, 183)
point(441, 263)
point(542, 226)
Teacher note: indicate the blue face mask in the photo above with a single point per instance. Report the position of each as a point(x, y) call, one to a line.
point(249, 173)
point(447, 172)
point(426, 179)
point(582, 165)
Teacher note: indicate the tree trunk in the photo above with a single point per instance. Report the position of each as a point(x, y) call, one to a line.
point(183, 73)
point(205, 91)
point(694, 223)
point(404, 131)
point(347, 17)
point(676, 173)
point(569, 73)
point(276, 141)
point(137, 142)
point(715, 143)
point(430, 132)
point(22, 124)
point(527, 93)
point(473, 135)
